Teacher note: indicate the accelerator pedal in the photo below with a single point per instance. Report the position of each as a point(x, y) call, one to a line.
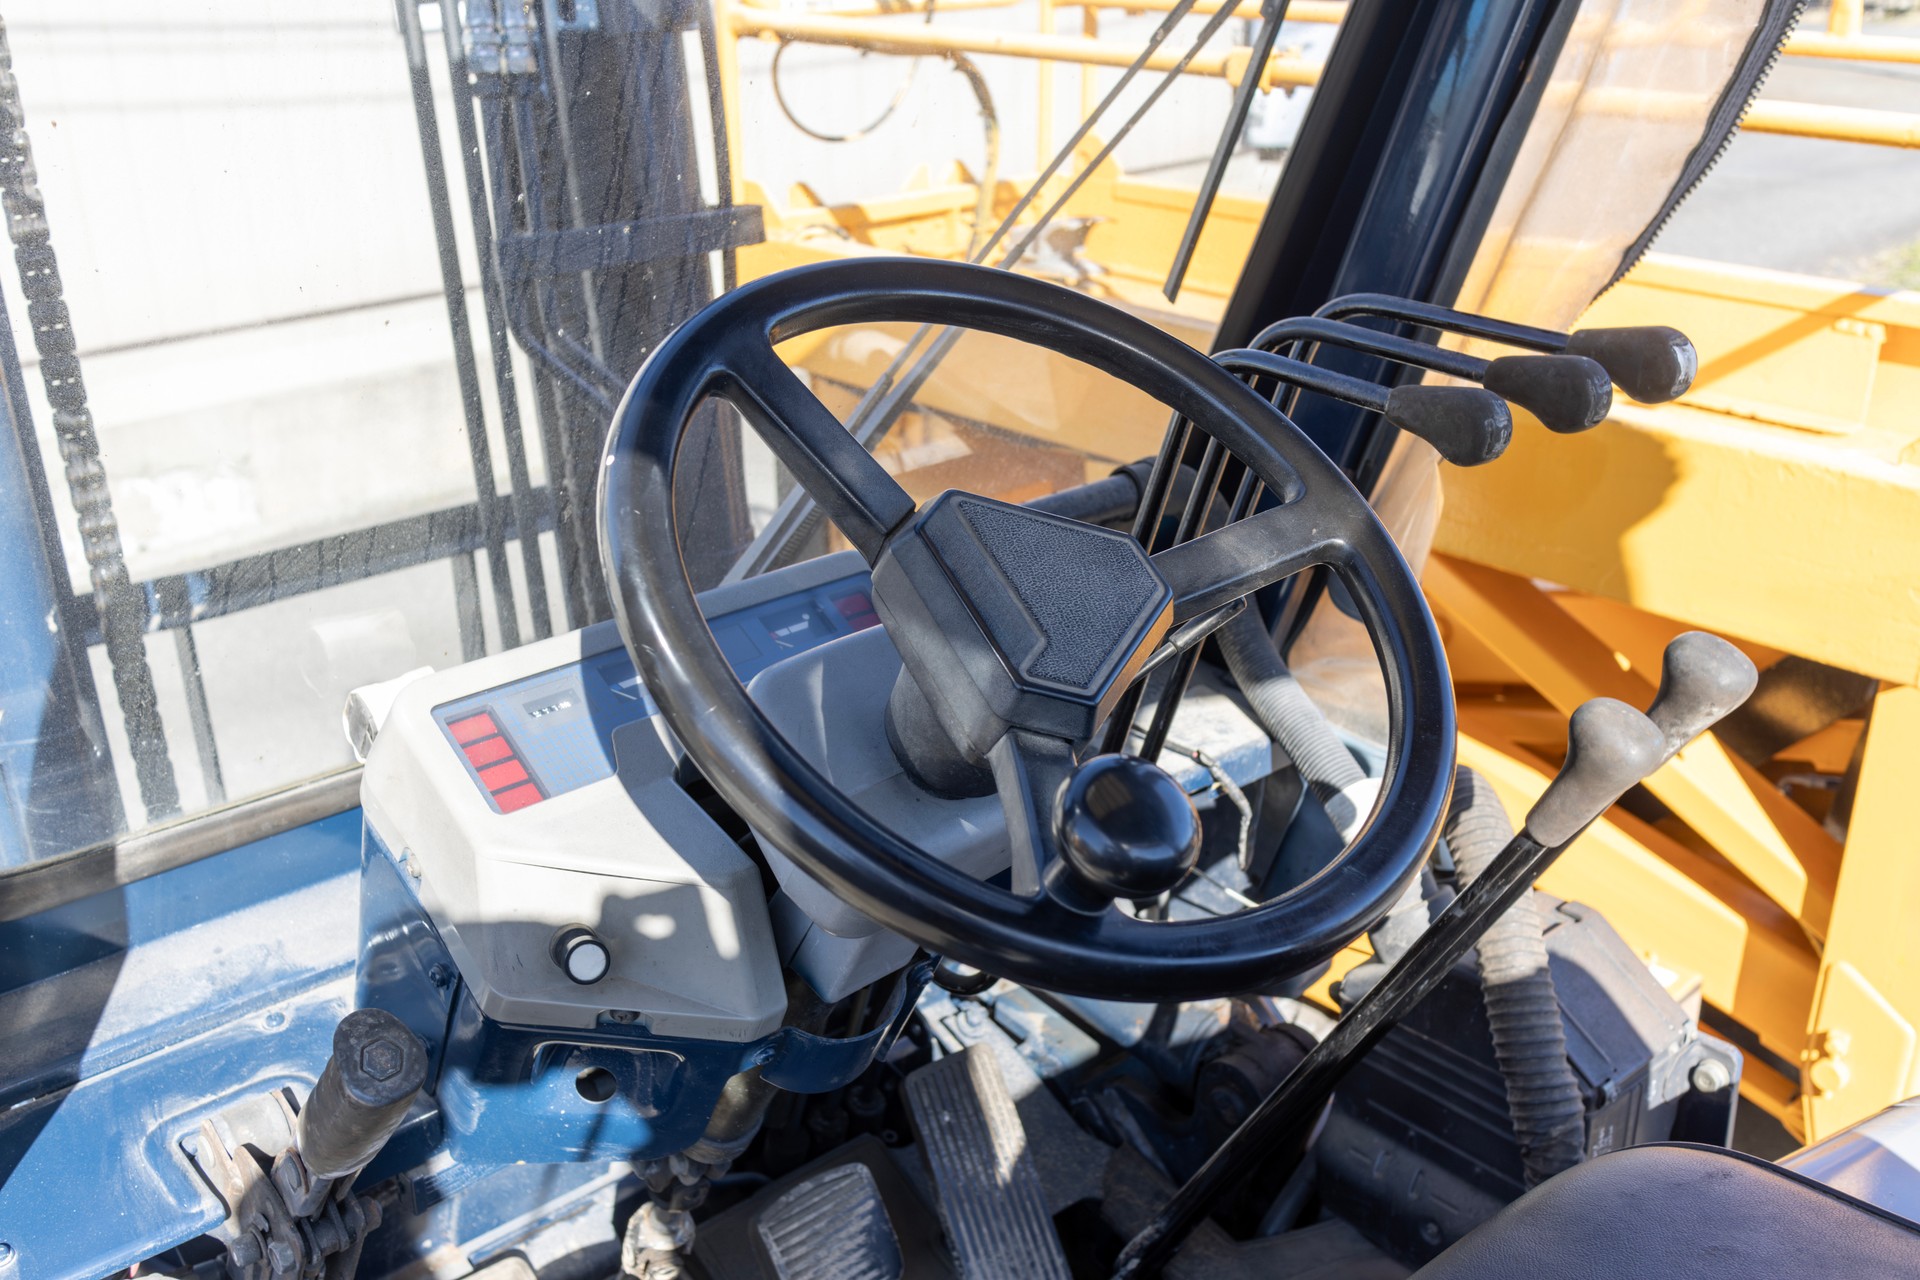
point(983, 1176)
point(833, 1226)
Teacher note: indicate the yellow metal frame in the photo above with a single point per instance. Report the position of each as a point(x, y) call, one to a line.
point(1797, 450)
point(1841, 39)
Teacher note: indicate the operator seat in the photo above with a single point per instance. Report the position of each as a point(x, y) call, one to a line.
point(1671, 1210)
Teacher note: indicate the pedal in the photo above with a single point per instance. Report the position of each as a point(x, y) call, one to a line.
point(984, 1179)
point(833, 1226)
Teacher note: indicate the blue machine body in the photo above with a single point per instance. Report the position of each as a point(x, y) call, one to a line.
point(511, 1094)
point(160, 1004)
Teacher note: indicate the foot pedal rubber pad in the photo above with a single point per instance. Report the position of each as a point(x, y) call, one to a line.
point(989, 1191)
point(832, 1227)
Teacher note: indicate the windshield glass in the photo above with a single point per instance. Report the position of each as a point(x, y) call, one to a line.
point(318, 315)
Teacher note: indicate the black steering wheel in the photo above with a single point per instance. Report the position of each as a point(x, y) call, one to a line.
point(1018, 631)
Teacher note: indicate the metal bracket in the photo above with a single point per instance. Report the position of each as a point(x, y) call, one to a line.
point(618, 244)
point(266, 1235)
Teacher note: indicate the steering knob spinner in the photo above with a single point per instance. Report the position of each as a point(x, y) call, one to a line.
point(1127, 830)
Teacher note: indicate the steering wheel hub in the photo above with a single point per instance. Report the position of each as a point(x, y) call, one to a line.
point(1007, 617)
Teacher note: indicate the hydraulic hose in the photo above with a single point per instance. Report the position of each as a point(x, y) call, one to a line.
point(1329, 771)
point(1290, 719)
point(1523, 1009)
point(1529, 1041)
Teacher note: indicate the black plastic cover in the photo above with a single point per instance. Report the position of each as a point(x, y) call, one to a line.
point(1419, 1146)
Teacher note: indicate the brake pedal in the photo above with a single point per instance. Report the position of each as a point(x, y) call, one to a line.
point(833, 1226)
point(983, 1176)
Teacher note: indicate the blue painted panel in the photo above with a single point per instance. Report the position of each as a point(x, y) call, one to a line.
point(231, 977)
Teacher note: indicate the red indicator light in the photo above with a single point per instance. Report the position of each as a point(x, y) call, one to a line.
point(857, 608)
point(504, 774)
point(518, 797)
point(473, 728)
point(488, 751)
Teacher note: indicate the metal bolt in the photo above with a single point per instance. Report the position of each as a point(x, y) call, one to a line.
point(281, 1256)
point(440, 975)
point(1430, 1232)
point(380, 1059)
point(1710, 1075)
point(245, 1251)
point(1828, 1076)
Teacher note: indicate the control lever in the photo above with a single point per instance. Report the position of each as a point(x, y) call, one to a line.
point(377, 1069)
point(295, 1214)
point(1650, 362)
point(1466, 425)
point(1566, 392)
point(1703, 679)
point(1610, 747)
point(1190, 633)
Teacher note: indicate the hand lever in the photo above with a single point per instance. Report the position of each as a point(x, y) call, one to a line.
point(1610, 747)
point(1702, 679)
point(1466, 425)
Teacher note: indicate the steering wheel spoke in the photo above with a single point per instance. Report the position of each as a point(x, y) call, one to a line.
point(851, 486)
point(1241, 558)
point(1030, 771)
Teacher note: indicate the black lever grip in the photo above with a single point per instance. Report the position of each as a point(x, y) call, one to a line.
point(1610, 747)
point(376, 1070)
point(1702, 679)
point(1567, 393)
point(1650, 362)
point(1466, 425)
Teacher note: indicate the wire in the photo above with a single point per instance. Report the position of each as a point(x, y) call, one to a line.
point(990, 174)
point(780, 97)
point(990, 121)
point(891, 393)
point(900, 96)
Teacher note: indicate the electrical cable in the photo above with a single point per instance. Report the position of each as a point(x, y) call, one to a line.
point(990, 171)
point(900, 96)
point(891, 393)
point(886, 114)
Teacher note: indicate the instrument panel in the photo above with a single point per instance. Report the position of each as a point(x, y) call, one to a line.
point(552, 733)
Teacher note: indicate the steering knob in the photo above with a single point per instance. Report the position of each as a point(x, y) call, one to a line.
point(1127, 830)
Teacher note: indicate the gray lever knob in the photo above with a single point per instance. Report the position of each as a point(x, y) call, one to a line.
point(1702, 679)
point(1466, 425)
point(1610, 747)
point(1650, 362)
point(1567, 393)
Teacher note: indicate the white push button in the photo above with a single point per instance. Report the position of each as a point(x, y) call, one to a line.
point(587, 962)
point(581, 955)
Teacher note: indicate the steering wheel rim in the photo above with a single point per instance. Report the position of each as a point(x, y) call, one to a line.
point(726, 352)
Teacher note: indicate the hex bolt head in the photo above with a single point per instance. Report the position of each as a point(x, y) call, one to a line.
point(282, 1256)
point(380, 1059)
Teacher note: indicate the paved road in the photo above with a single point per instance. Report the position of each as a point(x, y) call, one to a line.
point(1808, 205)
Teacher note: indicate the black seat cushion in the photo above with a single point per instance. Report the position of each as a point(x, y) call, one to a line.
point(1672, 1211)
